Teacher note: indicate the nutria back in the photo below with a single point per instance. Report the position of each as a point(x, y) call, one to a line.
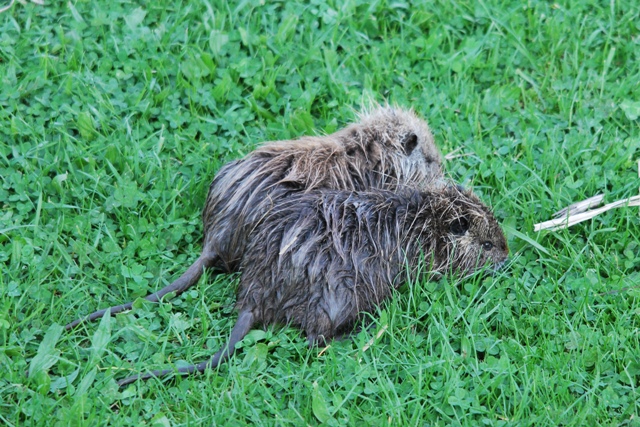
point(389, 148)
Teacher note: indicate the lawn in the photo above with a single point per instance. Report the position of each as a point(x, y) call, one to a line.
point(115, 116)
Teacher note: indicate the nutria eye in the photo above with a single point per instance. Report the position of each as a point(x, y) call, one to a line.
point(459, 226)
point(487, 246)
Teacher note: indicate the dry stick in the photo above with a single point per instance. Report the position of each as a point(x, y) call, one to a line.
point(4, 9)
point(558, 223)
point(579, 207)
point(372, 340)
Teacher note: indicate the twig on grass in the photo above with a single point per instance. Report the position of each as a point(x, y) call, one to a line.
point(578, 212)
point(373, 339)
point(579, 207)
point(5, 8)
point(575, 218)
point(323, 350)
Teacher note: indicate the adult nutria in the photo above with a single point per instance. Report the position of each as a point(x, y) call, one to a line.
point(389, 148)
point(318, 260)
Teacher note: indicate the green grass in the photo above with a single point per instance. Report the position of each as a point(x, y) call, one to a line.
point(114, 118)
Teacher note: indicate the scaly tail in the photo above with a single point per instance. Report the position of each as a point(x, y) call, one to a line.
point(244, 323)
point(188, 279)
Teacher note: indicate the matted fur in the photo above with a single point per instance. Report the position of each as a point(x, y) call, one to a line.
point(320, 259)
point(389, 148)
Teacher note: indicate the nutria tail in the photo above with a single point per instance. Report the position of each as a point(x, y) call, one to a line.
point(243, 325)
point(188, 279)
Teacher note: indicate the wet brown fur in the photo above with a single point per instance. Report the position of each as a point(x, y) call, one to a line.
point(318, 260)
point(389, 148)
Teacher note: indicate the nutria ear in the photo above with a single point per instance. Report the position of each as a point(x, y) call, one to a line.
point(410, 143)
point(459, 226)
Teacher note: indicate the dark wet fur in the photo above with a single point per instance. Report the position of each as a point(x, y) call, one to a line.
point(319, 260)
point(356, 158)
point(388, 149)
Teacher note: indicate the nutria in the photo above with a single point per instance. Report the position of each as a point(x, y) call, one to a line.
point(318, 260)
point(389, 148)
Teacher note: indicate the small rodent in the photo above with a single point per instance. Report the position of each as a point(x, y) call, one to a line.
point(320, 259)
point(389, 148)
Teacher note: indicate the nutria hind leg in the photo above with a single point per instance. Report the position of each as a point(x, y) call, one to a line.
point(188, 279)
point(243, 325)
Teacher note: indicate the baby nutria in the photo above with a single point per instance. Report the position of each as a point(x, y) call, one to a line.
point(318, 260)
point(389, 148)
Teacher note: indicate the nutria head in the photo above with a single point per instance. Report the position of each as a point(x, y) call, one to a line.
point(469, 236)
point(399, 141)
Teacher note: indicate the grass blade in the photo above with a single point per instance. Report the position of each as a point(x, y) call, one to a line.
point(47, 354)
